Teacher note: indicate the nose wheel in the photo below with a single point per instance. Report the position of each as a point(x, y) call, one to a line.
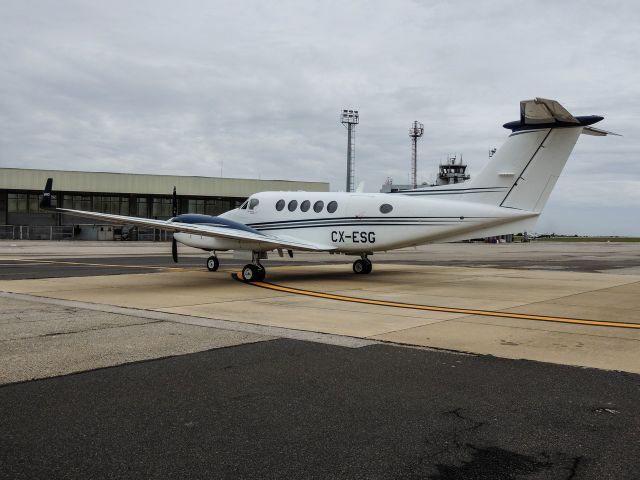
point(213, 263)
point(362, 265)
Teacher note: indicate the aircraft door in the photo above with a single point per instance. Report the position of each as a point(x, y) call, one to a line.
point(358, 205)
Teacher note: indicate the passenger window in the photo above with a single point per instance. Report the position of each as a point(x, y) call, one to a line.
point(304, 206)
point(253, 203)
point(318, 206)
point(332, 206)
point(280, 205)
point(293, 204)
point(385, 208)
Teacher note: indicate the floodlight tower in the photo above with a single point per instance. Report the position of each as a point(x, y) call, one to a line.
point(415, 133)
point(350, 118)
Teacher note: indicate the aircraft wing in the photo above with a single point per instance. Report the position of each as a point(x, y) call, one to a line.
point(263, 241)
point(267, 241)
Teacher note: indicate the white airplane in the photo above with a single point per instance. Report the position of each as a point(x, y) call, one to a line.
point(506, 196)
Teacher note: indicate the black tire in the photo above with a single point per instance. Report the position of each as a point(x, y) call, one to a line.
point(249, 273)
point(213, 263)
point(359, 266)
point(368, 266)
point(262, 272)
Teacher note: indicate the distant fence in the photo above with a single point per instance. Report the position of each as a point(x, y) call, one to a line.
point(36, 232)
point(82, 232)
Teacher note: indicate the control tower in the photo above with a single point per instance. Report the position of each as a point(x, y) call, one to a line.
point(452, 171)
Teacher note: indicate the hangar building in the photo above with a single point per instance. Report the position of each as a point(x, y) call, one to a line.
point(118, 193)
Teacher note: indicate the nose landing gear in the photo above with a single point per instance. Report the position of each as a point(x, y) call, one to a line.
point(213, 263)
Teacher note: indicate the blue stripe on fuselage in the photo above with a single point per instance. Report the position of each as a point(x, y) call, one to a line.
point(197, 219)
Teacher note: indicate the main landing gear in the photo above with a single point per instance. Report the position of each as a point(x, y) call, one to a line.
point(362, 265)
point(254, 271)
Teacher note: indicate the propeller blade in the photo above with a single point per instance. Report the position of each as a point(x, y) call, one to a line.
point(174, 250)
point(174, 204)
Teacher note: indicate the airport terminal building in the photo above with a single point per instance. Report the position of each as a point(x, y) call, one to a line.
point(117, 193)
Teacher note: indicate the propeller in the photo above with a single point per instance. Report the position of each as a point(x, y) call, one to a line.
point(174, 213)
point(174, 203)
point(174, 250)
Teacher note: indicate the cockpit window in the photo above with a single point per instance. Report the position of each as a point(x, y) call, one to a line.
point(253, 203)
point(244, 205)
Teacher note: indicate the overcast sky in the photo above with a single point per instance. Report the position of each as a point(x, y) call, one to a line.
point(254, 89)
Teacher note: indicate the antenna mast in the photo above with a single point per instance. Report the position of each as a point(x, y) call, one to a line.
point(350, 118)
point(415, 132)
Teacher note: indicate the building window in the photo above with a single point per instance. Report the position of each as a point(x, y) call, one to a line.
point(304, 206)
point(386, 208)
point(318, 206)
point(23, 203)
point(332, 206)
point(107, 204)
point(293, 204)
point(18, 203)
point(196, 205)
point(141, 207)
point(213, 207)
point(161, 207)
point(279, 205)
point(77, 202)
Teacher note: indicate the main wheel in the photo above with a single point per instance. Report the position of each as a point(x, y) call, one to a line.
point(249, 273)
point(253, 273)
point(362, 265)
point(368, 266)
point(213, 263)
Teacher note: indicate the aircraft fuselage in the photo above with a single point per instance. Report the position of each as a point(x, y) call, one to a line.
point(361, 222)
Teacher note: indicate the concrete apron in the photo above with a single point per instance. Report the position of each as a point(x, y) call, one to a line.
point(591, 296)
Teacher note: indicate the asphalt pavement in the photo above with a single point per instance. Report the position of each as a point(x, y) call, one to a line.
point(291, 409)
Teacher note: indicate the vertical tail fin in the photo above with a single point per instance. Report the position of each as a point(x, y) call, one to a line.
point(522, 174)
point(45, 202)
point(525, 169)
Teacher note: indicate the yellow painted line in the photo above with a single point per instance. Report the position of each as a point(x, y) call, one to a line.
point(432, 308)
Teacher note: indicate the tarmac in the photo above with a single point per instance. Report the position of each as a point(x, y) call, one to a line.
point(448, 361)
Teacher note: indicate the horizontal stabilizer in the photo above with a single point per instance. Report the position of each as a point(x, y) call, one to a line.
point(598, 132)
point(542, 110)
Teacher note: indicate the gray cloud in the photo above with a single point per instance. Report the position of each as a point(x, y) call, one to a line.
point(254, 88)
